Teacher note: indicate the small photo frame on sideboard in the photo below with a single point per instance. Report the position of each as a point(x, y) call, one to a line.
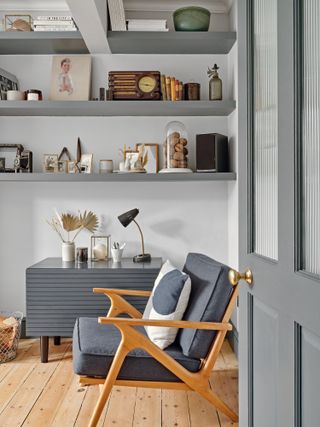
point(152, 165)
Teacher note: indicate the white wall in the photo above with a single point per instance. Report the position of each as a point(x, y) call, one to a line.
point(176, 217)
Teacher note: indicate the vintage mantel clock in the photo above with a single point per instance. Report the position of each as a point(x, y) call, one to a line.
point(135, 85)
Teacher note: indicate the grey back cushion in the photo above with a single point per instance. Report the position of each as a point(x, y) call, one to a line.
point(210, 295)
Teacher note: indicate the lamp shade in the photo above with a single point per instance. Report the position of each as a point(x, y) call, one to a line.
point(127, 217)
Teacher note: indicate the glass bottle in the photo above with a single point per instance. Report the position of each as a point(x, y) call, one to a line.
point(175, 148)
point(215, 84)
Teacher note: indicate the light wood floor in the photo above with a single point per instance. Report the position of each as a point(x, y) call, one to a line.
point(42, 395)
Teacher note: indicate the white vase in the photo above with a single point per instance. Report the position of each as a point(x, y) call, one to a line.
point(116, 254)
point(68, 251)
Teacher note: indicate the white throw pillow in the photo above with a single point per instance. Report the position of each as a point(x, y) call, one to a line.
point(168, 301)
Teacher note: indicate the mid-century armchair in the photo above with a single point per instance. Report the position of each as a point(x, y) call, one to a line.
point(117, 351)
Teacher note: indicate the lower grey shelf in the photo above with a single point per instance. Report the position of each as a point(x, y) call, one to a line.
point(116, 108)
point(118, 177)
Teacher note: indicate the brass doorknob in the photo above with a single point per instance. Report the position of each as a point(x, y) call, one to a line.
point(235, 277)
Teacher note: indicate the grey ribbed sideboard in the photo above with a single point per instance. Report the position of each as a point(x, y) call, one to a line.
point(57, 293)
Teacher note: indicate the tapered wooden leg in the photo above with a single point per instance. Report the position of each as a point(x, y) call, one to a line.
point(44, 349)
point(218, 403)
point(57, 340)
point(107, 386)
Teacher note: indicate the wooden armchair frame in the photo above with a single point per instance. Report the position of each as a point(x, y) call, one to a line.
point(132, 338)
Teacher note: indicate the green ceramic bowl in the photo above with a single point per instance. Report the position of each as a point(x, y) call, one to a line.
point(191, 18)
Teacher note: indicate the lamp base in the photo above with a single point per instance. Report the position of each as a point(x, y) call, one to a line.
point(142, 258)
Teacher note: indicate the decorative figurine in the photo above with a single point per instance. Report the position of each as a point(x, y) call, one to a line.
point(215, 84)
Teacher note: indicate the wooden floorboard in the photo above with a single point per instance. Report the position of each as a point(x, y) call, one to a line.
point(33, 394)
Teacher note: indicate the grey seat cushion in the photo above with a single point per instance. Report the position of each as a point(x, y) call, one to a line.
point(94, 346)
point(210, 295)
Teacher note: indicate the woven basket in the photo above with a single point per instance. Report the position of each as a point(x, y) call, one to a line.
point(10, 329)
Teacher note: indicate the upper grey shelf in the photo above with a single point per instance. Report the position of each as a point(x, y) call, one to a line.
point(42, 43)
point(116, 108)
point(117, 177)
point(171, 42)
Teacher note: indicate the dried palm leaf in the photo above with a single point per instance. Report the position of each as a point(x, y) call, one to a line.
point(70, 222)
point(89, 221)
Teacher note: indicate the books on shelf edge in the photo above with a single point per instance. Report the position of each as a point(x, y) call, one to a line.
point(49, 28)
point(147, 22)
point(57, 22)
point(163, 87)
point(54, 18)
point(171, 88)
point(158, 30)
point(117, 15)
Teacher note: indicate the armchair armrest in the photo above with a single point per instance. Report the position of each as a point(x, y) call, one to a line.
point(222, 326)
point(129, 292)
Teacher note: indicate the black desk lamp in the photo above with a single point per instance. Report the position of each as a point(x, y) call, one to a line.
point(125, 219)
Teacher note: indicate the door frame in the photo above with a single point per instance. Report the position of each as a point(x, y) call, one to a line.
point(280, 283)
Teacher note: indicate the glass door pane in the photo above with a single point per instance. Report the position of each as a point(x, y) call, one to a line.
point(265, 144)
point(311, 136)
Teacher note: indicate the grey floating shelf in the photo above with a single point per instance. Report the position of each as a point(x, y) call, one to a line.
point(116, 108)
point(118, 177)
point(42, 43)
point(171, 42)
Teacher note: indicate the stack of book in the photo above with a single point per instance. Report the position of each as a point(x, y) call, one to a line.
point(54, 23)
point(147, 25)
point(117, 15)
point(171, 88)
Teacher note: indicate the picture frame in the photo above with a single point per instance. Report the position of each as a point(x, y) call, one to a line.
point(70, 78)
point(71, 166)
point(152, 165)
point(18, 22)
point(86, 163)
point(130, 158)
point(62, 166)
point(8, 81)
point(50, 163)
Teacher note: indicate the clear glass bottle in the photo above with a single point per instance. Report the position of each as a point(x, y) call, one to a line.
point(215, 84)
point(175, 150)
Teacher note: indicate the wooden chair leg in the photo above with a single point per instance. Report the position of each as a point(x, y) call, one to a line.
point(107, 386)
point(218, 403)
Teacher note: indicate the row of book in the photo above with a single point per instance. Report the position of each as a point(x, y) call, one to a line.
point(171, 88)
point(54, 23)
point(147, 25)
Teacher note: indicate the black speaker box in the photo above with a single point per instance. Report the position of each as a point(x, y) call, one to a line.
point(212, 153)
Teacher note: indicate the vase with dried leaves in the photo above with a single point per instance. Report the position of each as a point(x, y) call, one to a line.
point(70, 223)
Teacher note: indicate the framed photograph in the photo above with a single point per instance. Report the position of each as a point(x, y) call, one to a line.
point(71, 166)
point(18, 22)
point(50, 163)
point(86, 163)
point(152, 165)
point(7, 82)
point(62, 166)
point(70, 78)
point(130, 159)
